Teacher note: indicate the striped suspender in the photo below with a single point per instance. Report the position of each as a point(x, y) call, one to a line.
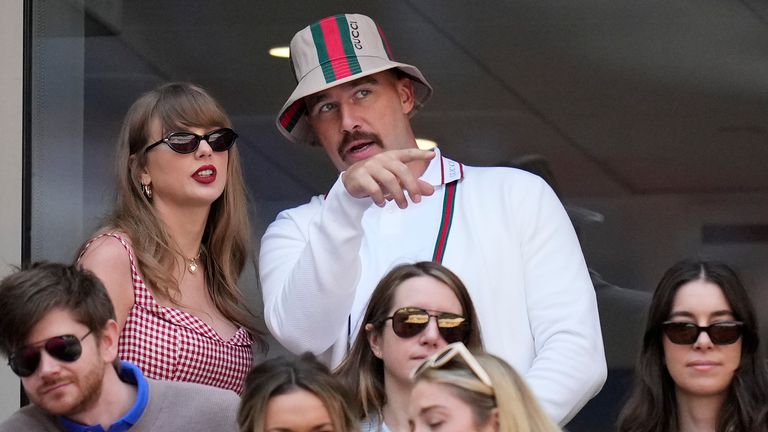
point(449, 200)
point(445, 223)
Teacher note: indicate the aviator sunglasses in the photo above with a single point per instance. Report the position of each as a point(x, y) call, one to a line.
point(186, 142)
point(66, 348)
point(686, 333)
point(407, 322)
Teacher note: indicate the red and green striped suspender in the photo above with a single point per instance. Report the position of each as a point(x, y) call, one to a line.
point(449, 200)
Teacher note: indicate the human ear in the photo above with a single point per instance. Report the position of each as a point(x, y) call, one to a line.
point(144, 177)
point(373, 340)
point(493, 422)
point(405, 92)
point(108, 341)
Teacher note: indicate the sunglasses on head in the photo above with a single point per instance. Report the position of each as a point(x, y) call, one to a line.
point(458, 351)
point(686, 333)
point(407, 322)
point(187, 142)
point(66, 348)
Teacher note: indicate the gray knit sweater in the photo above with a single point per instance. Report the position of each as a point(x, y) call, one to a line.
point(172, 406)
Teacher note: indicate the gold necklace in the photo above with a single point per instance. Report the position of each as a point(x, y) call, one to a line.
point(192, 264)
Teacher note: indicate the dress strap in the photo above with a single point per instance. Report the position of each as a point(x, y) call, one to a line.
point(141, 293)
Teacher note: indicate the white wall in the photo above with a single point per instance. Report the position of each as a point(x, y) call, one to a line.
point(11, 86)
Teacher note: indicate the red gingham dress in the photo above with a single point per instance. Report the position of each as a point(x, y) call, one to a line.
point(170, 344)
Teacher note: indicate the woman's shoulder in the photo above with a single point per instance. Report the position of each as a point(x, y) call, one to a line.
point(108, 255)
point(108, 248)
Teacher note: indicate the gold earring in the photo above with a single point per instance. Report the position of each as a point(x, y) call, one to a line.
point(147, 190)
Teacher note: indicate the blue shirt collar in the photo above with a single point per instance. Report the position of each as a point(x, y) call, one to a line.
point(130, 374)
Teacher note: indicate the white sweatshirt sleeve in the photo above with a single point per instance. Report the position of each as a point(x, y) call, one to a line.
point(569, 366)
point(309, 268)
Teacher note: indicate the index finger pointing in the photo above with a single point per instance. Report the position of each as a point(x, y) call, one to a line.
point(408, 155)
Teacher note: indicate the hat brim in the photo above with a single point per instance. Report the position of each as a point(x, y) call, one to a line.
point(292, 120)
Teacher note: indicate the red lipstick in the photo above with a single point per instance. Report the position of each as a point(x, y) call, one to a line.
point(205, 174)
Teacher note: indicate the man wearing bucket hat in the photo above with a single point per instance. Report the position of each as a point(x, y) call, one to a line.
point(503, 231)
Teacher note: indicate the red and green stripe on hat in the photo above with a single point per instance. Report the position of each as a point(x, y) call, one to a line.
point(335, 48)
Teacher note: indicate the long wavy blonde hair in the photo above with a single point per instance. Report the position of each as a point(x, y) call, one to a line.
point(518, 409)
point(226, 238)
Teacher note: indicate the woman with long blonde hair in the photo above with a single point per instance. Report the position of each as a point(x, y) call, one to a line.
point(456, 390)
point(177, 241)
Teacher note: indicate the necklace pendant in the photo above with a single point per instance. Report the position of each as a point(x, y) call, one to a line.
point(192, 262)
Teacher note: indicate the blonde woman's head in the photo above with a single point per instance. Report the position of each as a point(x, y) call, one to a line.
point(453, 388)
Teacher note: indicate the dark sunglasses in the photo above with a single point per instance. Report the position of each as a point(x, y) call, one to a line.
point(686, 333)
point(187, 142)
point(67, 348)
point(407, 322)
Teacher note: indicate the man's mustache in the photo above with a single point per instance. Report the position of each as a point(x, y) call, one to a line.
point(358, 136)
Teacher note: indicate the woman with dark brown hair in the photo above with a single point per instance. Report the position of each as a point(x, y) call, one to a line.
point(699, 367)
point(178, 238)
point(400, 333)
